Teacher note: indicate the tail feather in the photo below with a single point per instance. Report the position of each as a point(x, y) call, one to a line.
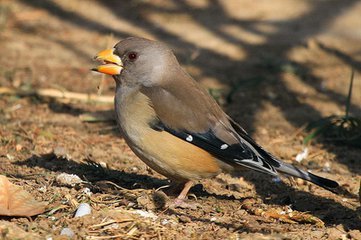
point(320, 181)
point(267, 163)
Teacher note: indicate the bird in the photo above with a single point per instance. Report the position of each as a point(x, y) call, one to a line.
point(174, 125)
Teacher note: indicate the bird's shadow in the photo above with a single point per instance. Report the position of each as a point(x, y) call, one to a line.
point(92, 172)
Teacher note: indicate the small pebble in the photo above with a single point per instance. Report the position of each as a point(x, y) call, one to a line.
point(69, 180)
point(10, 157)
point(165, 222)
point(326, 167)
point(87, 191)
point(67, 232)
point(42, 189)
point(276, 180)
point(131, 204)
point(83, 209)
point(103, 164)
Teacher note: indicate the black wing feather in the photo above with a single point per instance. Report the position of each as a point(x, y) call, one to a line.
point(235, 154)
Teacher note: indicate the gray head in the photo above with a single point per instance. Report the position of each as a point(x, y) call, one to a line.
point(137, 62)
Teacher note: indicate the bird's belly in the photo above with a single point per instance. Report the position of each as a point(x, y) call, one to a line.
point(171, 156)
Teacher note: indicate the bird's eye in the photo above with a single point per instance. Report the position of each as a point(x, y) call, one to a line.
point(132, 56)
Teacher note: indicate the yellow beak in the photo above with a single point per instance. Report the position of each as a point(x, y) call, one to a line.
point(113, 65)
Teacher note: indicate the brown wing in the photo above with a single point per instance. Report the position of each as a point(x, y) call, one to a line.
point(182, 104)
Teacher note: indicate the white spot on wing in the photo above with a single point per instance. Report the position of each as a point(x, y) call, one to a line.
point(224, 146)
point(189, 138)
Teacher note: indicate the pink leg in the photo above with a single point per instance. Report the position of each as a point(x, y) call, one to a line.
point(179, 201)
point(185, 190)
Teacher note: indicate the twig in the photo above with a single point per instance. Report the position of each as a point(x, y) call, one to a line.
point(55, 93)
point(132, 229)
point(348, 101)
point(110, 222)
point(118, 236)
point(93, 199)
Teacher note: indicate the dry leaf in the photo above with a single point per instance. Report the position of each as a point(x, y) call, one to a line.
point(14, 201)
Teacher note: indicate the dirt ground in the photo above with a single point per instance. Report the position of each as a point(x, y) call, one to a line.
point(274, 66)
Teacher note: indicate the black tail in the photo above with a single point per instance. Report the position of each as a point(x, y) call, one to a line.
point(320, 181)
